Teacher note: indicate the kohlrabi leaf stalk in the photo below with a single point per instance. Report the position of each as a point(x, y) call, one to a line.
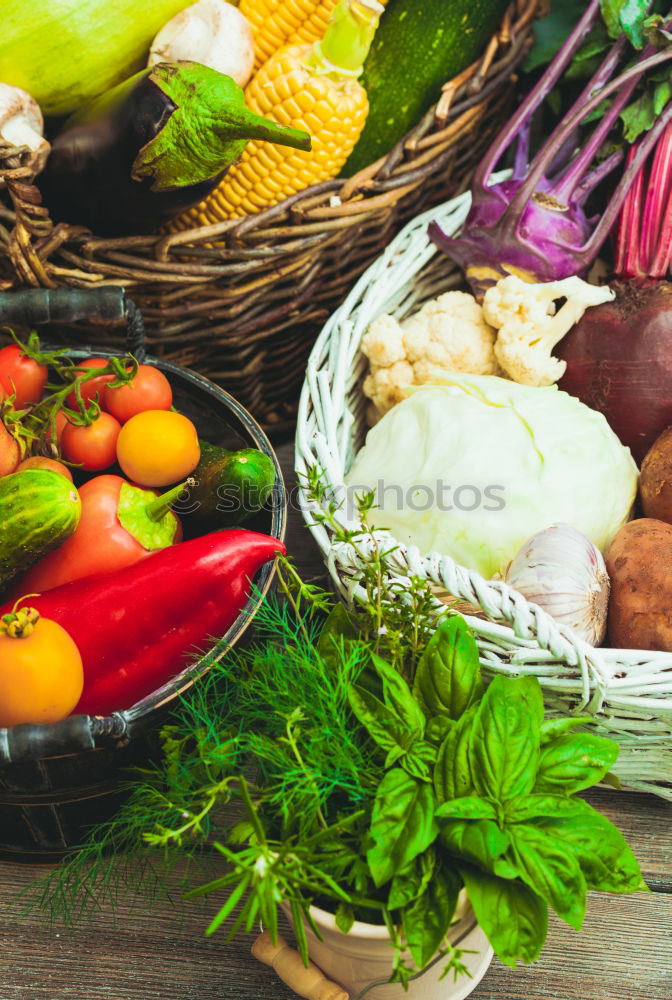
point(534, 224)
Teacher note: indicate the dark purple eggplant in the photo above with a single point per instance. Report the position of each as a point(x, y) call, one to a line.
point(152, 147)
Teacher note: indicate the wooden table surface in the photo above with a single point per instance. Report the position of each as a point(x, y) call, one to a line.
point(624, 951)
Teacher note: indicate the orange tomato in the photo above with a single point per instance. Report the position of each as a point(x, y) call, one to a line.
point(42, 462)
point(158, 447)
point(41, 673)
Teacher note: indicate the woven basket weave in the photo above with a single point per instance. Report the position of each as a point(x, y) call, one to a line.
point(627, 692)
point(246, 315)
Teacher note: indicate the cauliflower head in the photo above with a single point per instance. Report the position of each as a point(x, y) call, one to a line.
point(448, 333)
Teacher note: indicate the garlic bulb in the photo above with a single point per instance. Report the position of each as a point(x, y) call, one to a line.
point(211, 32)
point(22, 124)
point(564, 573)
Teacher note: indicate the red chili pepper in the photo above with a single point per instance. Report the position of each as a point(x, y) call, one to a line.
point(137, 627)
point(119, 525)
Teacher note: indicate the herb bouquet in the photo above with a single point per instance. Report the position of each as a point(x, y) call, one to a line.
point(378, 779)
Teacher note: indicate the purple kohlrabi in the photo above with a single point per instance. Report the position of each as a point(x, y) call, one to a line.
point(534, 224)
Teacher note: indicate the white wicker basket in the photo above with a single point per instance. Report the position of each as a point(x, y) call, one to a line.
point(628, 692)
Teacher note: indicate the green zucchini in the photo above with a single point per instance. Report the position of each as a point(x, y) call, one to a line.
point(231, 486)
point(39, 509)
point(416, 49)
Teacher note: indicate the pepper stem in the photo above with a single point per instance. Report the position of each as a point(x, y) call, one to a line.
point(347, 39)
point(158, 508)
point(19, 622)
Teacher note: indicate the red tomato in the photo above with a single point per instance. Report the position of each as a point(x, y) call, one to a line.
point(92, 447)
point(10, 453)
point(93, 388)
point(21, 375)
point(149, 390)
point(42, 462)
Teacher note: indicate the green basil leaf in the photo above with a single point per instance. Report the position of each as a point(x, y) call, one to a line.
point(606, 860)
point(418, 761)
point(513, 917)
point(505, 738)
point(412, 880)
point(339, 624)
point(426, 921)
point(468, 807)
point(402, 824)
point(438, 728)
point(380, 721)
point(551, 870)
point(527, 807)
point(480, 842)
point(397, 696)
point(344, 917)
point(552, 728)
point(452, 771)
point(394, 754)
point(574, 762)
point(448, 675)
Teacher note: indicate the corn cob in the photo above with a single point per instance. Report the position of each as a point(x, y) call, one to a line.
point(274, 22)
point(312, 87)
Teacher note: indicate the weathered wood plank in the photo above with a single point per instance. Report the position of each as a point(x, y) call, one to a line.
point(148, 954)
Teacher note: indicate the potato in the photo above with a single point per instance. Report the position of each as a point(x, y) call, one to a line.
point(655, 481)
point(639, 564)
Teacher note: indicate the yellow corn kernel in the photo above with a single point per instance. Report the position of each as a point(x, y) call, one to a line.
point(315, 24)
point(275, 21)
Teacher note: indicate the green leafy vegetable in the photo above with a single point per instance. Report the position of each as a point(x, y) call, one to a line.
point(514, 918)
point(402, 824)
point(427, 920)
point(506, 737)
point(574, 762)
point(439, 688)
point(550, 870)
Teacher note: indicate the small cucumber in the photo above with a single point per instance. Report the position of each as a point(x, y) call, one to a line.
point(39, 509)
point(231, 486)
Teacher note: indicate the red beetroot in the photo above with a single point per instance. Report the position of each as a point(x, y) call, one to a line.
point(619, 361)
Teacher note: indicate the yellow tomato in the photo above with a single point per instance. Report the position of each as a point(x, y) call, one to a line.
point(41, 673)
point(158, 447)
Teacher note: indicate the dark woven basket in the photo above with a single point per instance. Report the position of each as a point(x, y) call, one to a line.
point(247, 314)
point(57, 780)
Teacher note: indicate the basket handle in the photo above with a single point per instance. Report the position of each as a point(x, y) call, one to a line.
point(71, 735)
point(107, 304)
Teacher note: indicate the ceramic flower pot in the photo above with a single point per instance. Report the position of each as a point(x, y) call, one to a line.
point(364, 956)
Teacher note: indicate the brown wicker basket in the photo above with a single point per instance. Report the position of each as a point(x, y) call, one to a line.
point(246, 314)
